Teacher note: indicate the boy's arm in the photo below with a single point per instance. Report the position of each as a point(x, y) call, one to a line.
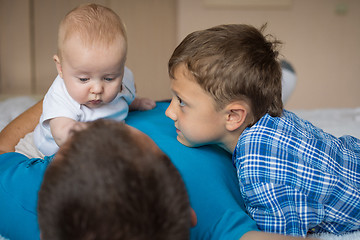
point(253, 235)
point(19, 127)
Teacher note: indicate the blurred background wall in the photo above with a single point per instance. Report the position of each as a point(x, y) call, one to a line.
point(321, 39)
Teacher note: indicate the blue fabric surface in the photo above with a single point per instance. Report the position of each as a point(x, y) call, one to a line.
point(20, 180)
point(210, 177)
point(208, 173)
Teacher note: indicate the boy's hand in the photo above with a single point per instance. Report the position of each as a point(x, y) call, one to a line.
point(142, 104)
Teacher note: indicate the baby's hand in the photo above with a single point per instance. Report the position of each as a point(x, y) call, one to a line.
point(142, 104)
point(146, 104)
point(78, 126)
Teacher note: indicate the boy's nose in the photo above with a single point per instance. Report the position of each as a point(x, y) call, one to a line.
point(170, 113)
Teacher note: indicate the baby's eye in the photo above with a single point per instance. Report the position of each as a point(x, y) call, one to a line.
point(181, 103)
point(108, 79)
point(84, 79)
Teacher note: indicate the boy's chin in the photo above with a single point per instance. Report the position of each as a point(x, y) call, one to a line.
point(187, 143)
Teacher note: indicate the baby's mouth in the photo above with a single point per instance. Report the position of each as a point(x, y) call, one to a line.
point(95, 102)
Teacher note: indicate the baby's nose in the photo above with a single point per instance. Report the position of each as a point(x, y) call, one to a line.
point(97, 88)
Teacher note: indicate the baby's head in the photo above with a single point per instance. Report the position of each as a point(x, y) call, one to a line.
point(92, 47)
point(111, 181)
point(224, 79)
point(95, 25)
point(233, 63)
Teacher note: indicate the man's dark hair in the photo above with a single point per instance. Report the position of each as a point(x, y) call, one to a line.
point(105, 183)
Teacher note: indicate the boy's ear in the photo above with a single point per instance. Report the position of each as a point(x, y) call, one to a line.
point(58, 65)
point(236, 114)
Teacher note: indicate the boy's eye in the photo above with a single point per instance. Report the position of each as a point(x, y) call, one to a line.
point(108, 79)
point(83, 79)
point(181, 103)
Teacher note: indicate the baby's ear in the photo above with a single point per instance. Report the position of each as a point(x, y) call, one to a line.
point(236, 113)
point(58, 65)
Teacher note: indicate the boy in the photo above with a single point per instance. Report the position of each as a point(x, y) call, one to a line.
point(294, 178)
point(93, 81)
point(129, 194)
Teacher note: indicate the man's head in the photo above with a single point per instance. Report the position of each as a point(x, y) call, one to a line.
point(111, 181)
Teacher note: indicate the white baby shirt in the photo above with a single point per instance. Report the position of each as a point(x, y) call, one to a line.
point(58, 103)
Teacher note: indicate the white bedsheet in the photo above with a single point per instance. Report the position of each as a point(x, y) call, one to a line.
point(338, 122)
point(12, 107)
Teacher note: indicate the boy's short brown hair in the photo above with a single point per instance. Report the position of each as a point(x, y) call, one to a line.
point(94, 24)
point(234, 62)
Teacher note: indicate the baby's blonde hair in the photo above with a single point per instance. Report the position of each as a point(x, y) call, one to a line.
point(94, 24)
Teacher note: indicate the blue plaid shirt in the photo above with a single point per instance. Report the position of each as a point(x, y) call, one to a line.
point(295, 178)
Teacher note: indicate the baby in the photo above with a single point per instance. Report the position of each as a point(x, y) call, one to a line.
point(93, 81)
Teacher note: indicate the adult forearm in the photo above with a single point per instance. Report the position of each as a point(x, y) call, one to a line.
point(19, 127)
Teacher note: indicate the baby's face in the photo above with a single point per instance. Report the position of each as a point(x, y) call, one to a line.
point(92, 74)
point(193, 111)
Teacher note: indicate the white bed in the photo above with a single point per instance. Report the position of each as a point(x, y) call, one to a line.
point(344, 121)
point(335, 121)
point(12, 107)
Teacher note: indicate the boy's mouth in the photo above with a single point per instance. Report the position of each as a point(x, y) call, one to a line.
point(177, 129)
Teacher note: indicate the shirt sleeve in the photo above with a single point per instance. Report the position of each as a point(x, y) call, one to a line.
point(279, 208)
point(58, 103)
point(128, 91)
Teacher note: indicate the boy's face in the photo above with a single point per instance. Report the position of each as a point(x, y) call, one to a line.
point(193, 110)
point(92, 74)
